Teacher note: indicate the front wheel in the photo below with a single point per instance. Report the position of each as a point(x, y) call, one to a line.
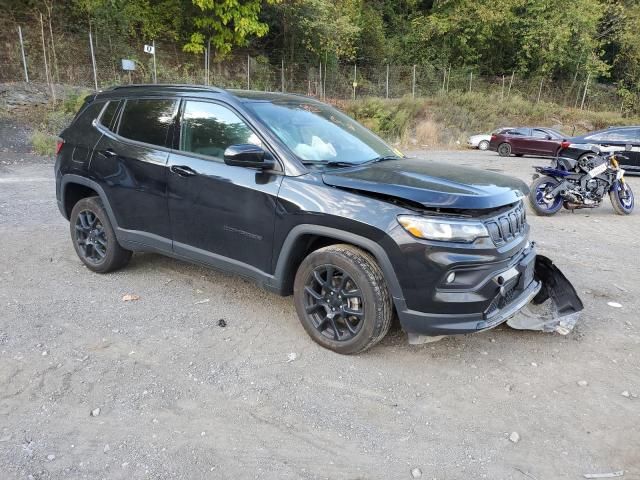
point(483, 145)
point(342, 299)
point(539, 196)
point(621, 198)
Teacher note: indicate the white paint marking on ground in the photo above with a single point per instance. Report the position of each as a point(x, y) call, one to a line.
point(24, 180)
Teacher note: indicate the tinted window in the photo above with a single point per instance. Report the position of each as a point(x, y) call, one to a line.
point(88, 115)
point(540, 134)
point(520, 131)
point(208, 129)
point(147, 120)
point(109, 113)
point(630, 135)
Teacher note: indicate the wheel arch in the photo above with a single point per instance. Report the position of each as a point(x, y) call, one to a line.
point(305, 238)
point(74, 188)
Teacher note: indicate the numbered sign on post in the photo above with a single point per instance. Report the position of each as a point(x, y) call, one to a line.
point(149, 49)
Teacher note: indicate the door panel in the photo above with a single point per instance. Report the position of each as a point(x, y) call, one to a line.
point(134, 178)
point(219, 210)
point(223, 210)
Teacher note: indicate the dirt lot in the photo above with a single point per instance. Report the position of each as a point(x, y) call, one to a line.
point(182, 397)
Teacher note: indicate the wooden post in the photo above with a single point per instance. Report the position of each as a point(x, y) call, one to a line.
point(470, 81)
point(444, 79)
point(46, 66)
point(355, 79)
point(502, 94)
point(155, 73)
point(448, 78)
point(24, 59)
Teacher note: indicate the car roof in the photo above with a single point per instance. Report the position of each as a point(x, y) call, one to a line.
point(608, 129)
point(239, 95)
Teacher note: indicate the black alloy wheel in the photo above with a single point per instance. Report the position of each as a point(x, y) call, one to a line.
point(334, 302)
point(91, 237)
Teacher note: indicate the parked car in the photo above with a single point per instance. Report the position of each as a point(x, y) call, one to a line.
point(295, 195)
point(537, 141)
point(481, 141)
point(614, 139)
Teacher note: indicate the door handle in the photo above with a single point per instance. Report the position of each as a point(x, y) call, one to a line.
point(183, 170)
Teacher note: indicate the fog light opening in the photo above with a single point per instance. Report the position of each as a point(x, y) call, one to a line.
point(451, 277)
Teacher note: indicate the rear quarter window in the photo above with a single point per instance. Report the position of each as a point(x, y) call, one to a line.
point(109, 114)
point(147, 120)
point(86, 116)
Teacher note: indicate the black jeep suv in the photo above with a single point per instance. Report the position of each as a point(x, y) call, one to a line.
point(295, 195)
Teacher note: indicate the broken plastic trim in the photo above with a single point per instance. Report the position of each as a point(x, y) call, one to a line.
point(565, 304)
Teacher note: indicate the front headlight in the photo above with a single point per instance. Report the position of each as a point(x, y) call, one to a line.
point(441, 229)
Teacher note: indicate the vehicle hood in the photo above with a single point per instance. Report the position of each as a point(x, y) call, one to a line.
point(480, 137)
point(432, 184)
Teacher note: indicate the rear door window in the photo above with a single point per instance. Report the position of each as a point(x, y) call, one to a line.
point(522, 132)
point(147, 120)
point(540, 134)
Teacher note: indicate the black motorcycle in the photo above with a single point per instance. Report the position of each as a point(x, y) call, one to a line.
point(581, 184)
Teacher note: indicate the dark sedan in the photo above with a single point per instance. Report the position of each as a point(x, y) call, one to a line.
point(609, 140)
point(537, 141)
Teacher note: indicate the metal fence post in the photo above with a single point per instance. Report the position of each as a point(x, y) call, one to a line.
point(387, 82)
point(355, 79)
point(413, 85)
point(44, 56)
point(319, 89)
point(511, 83)
point(93, 60)
point(502, 94)
point(448, 78)
point(248, 72)
point(584, 95)
point(24, 59)
point(444, 79)
point(155, 73)
point(470, 81)
point(282, 76)
point(540, 90)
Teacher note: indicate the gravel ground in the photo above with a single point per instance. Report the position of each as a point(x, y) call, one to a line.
point(180, 396)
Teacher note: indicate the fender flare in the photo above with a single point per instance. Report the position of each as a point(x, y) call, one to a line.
point(359, 241)
point(72, 178)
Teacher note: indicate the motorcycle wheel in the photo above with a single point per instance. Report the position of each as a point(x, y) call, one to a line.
point(621, 198)
point(541, 205)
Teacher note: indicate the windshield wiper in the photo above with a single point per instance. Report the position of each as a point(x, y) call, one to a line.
point(342, 163)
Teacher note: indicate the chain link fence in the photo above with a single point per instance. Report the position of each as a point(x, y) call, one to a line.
point(42, 52)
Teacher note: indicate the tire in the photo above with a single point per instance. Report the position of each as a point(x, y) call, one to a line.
point(504, 150)
point(536, 197)
point(94, 239)
point(483, 145)
point(338, 279)
point(621, 197)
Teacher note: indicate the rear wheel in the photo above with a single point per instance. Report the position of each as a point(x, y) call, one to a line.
point(94, 238)
point(504, 149)
point(541, 201)
point(483, 145)
point(621, 198)
point(342, 299)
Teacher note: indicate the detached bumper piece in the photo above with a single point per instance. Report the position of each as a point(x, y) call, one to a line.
point(556, 307)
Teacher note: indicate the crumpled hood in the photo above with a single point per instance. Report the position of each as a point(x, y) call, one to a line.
point(433, 184)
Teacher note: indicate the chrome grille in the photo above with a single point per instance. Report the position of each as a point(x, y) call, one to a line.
point(508, 226)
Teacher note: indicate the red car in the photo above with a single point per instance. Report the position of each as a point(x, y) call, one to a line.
point(537, 141)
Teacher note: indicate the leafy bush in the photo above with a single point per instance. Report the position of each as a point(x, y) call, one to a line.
point(43, 143)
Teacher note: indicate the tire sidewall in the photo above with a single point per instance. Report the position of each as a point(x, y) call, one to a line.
point(483, 145)
point(368, 332)
point(94, 205)
point(504, 149)
point(617, 203)
point(532, 196)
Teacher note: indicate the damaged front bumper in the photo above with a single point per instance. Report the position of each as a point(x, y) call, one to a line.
point(535, 280)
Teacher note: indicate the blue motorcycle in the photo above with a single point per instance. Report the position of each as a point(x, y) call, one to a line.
point(574, 184)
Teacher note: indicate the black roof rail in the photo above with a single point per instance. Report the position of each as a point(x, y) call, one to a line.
point(168, 85)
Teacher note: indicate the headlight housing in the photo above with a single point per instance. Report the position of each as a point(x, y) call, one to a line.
point(443, 229)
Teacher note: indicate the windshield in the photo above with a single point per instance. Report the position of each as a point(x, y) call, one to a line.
point(318, 133)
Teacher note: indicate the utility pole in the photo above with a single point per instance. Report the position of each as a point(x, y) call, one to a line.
point(248, 73)
point(387, 83)
point(155, 73)
point(282, 76)
point(93, 60)
point(540, 90)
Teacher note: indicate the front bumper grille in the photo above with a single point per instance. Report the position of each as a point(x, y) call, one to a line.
point(508, 226)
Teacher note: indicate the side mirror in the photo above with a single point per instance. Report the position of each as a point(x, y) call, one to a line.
point(549, 137)
point(248, 155)
point(628, 147)
point(595, 149)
